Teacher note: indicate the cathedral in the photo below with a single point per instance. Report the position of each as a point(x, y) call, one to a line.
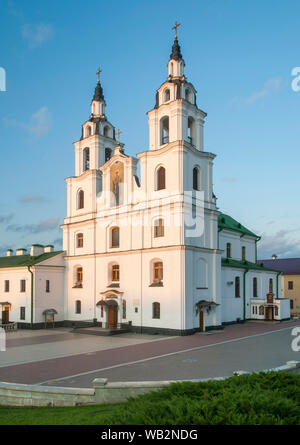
point(152, 253)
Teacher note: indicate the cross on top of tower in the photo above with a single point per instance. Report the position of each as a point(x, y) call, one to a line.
point(175, 27)
point(119, 133)
point(98, 73)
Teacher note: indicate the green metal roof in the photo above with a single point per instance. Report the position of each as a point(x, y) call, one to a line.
point(26, 260)
point(240, 264)
point(228, 223)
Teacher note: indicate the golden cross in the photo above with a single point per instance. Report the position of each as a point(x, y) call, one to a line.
point(175, 27)
point(119, 132)
point(98, 74)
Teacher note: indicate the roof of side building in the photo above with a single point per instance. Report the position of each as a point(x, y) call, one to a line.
point(240, 264)
point(228, 223)
point(288, 266)
point(26, 260)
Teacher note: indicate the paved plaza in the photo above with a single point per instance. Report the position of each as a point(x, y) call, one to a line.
point(63, 358)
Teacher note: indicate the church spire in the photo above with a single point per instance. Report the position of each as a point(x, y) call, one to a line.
point(98, 102)
point(176, 52)
point(176, 62)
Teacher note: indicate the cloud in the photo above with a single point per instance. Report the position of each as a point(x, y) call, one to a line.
point(25, 199)
point(279, 244)
point(271, 86)
point(6, 219)
point(43, 226)
point(36, 35)
point(39, 123)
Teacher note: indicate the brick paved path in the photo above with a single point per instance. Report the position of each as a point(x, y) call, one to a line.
point(35, 372)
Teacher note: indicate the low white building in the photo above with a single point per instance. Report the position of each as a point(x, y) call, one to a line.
point(152, 254)
point(32, 283)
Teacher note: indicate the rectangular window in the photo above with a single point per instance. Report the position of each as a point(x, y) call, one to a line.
point(255, 287)
point(22, 285)
point(115, 273)
point(80, 240)
point(156, 310)
point(291, 304)
point(291, 285)
point(228, 250)
point(237, 287)
point(47, 285)
point(22, 313)
point(244, 253)
point(158, 271)
point(6, 286)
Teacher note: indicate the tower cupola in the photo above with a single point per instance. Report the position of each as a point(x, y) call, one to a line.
point(176, 63)
point(98, 102)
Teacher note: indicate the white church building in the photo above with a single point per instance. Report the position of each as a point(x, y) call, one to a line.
point(152, 254)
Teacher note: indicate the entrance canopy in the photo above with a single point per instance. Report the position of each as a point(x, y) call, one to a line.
point(5, 303)
point(49, 312)
point(107, 303)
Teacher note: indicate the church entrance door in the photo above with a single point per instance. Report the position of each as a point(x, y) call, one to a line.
point(112, 317)
point(201, 321)
point(269, 313)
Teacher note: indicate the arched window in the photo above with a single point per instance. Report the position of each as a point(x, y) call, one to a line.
point(124, 309)
point(188, 95)
point(164, 130)
point(155, 310)
point(86, 159)
point(78, 277)
point(243, 253)
point(159, 228)
point(255, 287)
point(167, 95)
point(88, 131)
point(228, 250)
point(171, 69)
point(107, 154)
point(196, 179)
point(271, 285)
point(115, 237)
point(161, 178)
point(191, 130)
point(115, 272)
point(237, 287)
point(77, 307)
point(79, 238)
point(158, 271)
point(261, 310)
point(106, 131)
point(80, 199)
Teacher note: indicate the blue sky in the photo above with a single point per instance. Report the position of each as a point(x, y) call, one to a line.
point(239, 56)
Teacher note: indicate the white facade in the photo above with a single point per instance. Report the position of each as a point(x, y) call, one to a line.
point(155, 253)
point(32, 286)
point(193, 278)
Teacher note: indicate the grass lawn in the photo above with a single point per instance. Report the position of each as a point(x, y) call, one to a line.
point(265, 399)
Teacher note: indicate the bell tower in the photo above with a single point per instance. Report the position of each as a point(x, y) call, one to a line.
point(97, 142)
point(175, 116)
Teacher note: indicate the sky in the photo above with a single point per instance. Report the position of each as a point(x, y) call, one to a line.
point(239, 56)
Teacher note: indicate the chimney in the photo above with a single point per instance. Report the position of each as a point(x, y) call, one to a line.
point(36, 249)
point(9, 252)
point(21, 251)
point(48, 248)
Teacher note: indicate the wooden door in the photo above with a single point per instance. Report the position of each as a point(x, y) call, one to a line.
point(201, 321)
point(112, 317)
point(5, 316)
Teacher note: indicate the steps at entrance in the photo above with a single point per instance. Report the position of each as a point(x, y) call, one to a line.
point(99, 331)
